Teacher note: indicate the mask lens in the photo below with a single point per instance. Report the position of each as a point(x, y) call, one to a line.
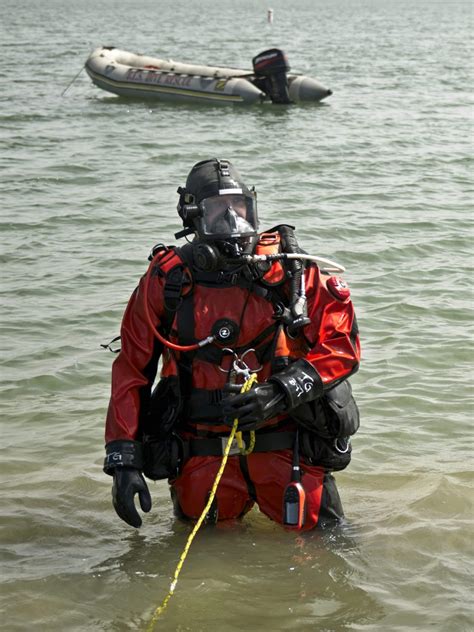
point(228, 215)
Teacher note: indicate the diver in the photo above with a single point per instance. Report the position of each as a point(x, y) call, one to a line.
point(230, 302)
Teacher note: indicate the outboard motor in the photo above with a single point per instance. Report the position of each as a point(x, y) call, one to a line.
point(270, 68)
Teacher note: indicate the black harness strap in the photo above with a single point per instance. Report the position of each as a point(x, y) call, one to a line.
point(207, 430)
point(215, 355)
point(182, 305)
point(173, 288)
point(185, 323)
point(270, 442)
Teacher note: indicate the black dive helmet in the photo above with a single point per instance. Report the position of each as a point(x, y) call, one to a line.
point(222, 212)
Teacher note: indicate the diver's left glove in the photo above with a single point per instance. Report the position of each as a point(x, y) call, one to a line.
point(300, 382)
point(124, 461)
point(254, 407)
point(294, 385)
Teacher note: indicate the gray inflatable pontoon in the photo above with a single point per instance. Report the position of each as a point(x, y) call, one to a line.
point(131, 75)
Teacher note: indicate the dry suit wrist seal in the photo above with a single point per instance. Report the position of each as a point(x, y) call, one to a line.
point(122, 453)
point(301, 383)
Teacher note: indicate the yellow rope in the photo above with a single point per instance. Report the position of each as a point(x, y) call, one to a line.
point(245, 387)
point(240, 442)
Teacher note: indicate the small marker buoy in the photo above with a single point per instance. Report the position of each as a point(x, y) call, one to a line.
point(270, 16)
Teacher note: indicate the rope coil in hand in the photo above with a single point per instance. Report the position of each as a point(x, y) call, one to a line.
point(249, 382)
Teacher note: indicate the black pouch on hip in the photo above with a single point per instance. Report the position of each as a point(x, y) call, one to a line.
point(332, 454)
point(341, 411)
point(162, 447)
point(162, 457)
point(334, 414)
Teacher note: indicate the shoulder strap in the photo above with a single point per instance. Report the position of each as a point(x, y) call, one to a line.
point(172, 264)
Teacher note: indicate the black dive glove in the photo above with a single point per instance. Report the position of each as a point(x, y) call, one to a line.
point(301, 383)
point(127, 483)
point(254, 407)
point(123, 461)
point(297, 384)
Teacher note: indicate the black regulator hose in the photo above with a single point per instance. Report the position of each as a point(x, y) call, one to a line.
point(296, 267)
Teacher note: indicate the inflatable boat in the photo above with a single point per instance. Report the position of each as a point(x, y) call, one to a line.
point(132, 75)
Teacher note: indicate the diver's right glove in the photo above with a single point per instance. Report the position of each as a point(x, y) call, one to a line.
point(123, 461)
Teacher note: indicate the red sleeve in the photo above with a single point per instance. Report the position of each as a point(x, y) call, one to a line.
point(333, 332)
point(134, 369)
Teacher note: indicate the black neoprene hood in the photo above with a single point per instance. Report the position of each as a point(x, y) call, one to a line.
point(209, 177)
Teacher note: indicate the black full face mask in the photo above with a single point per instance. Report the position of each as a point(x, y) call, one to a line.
point(221, 211)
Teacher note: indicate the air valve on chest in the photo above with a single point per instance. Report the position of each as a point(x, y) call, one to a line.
point(225, 331)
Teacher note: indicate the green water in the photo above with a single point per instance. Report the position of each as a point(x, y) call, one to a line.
point(378, 178)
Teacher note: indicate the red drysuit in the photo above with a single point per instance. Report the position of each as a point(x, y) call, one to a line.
point(330, 343)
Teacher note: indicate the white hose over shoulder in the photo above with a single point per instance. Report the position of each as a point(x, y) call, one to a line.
point(325, 264)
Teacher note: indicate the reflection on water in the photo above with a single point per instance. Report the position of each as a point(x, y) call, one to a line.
point(300, 581)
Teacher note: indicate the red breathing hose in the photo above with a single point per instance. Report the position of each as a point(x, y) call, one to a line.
point(156, 333)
